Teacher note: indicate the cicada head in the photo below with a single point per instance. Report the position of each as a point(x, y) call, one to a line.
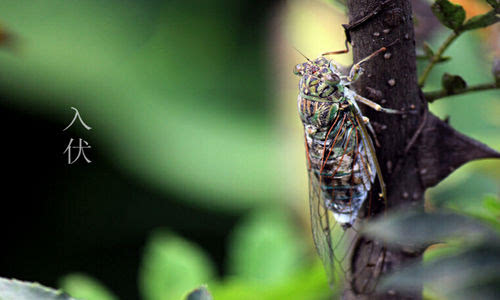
point(319, 80)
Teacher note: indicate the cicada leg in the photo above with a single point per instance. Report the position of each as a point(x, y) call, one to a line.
point(346, 50)
point(356, 69)
point(370, 127)
point(368, 143)
point(375, 106)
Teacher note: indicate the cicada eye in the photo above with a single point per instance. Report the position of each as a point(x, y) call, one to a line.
point(331, 79)
point(299, 69)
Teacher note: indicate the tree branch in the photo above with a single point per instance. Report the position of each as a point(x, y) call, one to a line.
point(435, 95)
point(437, 149)
point(442, 150)
point(392, 80)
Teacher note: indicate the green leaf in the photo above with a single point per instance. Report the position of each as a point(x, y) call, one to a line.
point(492, 204)
point(488, 212)
point(266, 248)
point(309, 283)
point(171, 266)
point(428, 50)
point(481, 21)
point(443, 59)
point(200, 293)
point(12, 289)
point(440, 60)
point(453, 83)
point(85, 287)
point(449, 14)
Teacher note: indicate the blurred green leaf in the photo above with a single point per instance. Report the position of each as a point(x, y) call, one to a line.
point(472, 274)
point(309, 283)
point(449, 14)
point(481, 21)
point(439, 250)
point(443, 59)
point(427, 50)
point(488, 211)
point(171, 266)
point(12, 289)
point(85, 287)
point(453, 83)
point(266, 248)
point(440, 60)
point(200, 293)
point(492, 204)
point(469, 269)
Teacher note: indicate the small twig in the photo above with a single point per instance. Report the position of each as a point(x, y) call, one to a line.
point(432, 96)
point(418, 132)
point(437, 57)
point(354, 24)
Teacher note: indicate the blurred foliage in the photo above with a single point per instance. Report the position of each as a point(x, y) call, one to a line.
point(171, 266)
point(266, 249)
point(85, 287)
point(267, 260)
point(473, 114)
point(453, 83)
point(466, 262)
point(449, 14)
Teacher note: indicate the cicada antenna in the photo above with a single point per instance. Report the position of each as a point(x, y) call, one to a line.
point(303, 55)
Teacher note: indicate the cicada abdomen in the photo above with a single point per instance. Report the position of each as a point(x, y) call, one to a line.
point(337, 158)
point(340, 155)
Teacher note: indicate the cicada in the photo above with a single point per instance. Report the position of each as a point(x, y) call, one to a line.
point(341, 159)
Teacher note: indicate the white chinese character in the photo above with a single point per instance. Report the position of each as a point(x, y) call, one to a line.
point(77, 114)
point(80, 148)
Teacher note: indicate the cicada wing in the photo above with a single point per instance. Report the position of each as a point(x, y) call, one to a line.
point(334, 241)
point(321, 225)
point(329, 237)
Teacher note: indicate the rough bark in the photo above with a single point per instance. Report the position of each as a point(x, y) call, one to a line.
point(391, 80)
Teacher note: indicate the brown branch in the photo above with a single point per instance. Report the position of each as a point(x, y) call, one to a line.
point(442, 150)
point(417, 150)
point(394, 77)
